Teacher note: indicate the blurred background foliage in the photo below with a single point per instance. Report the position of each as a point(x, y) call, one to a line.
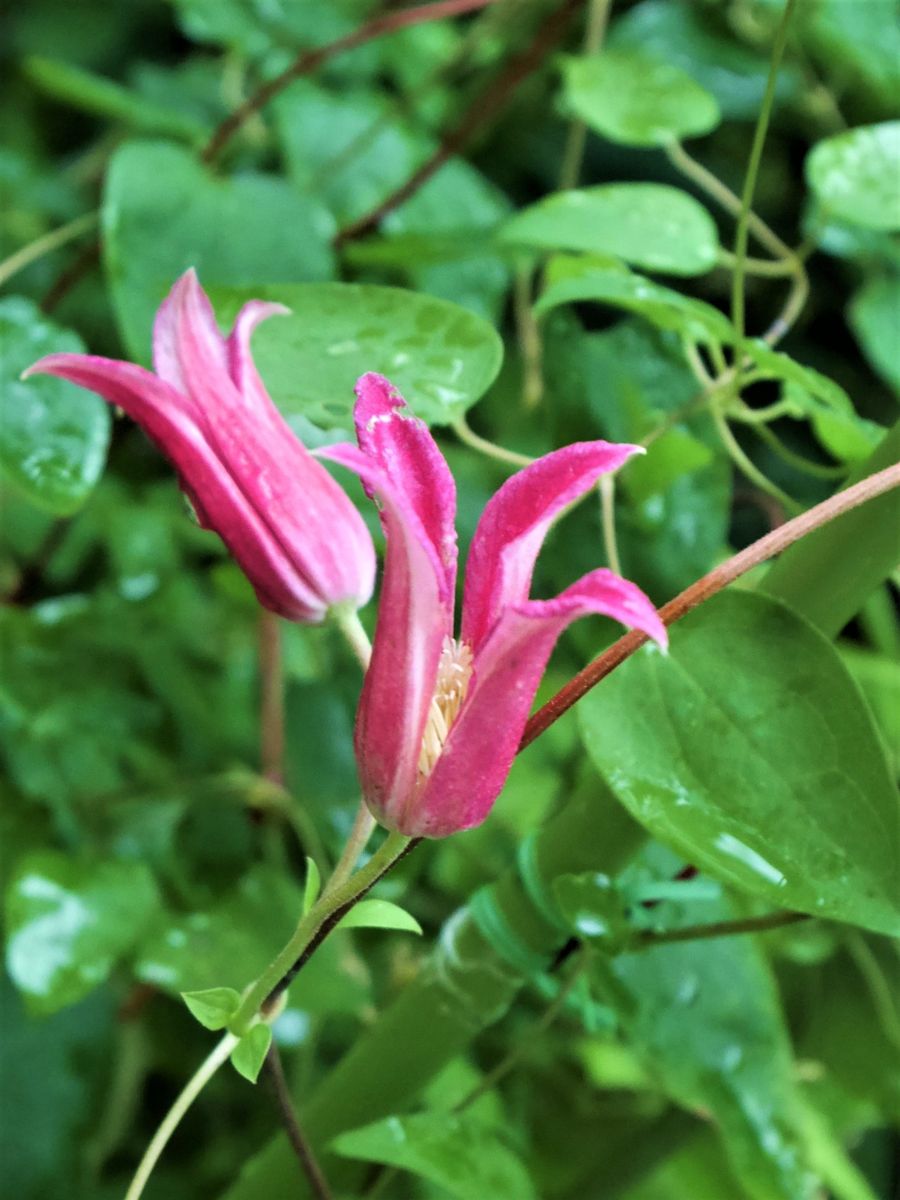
point(148, 850)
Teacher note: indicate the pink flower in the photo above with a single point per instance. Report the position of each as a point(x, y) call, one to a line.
point(294, 532)
point(440, 719)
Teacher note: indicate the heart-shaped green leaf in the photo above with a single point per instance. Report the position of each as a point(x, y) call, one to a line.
point(441, 357)
point(53, 435)
point(751, 751)
point(854, 175)
point(69, 922)
point(637, 99)
point(652, 225)
point(250, 1053)
point(163, 212)
point(213, 1007)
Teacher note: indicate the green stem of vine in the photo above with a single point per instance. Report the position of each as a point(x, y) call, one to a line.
point(173, 1117)
point(756, 149)
point(320, 919)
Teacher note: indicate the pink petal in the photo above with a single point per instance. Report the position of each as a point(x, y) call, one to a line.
point(414, 617)
point(185, 292)
point(479, 751)
point(220, 503)
point(516, 521)
point(241, 366)
point(318, 527)
point(409, 457)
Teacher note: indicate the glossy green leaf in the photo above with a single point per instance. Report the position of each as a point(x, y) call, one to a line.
point(750, 750)
point(455, 1152)
point(705, 1021)
point(681, 33)
point(661, 306)
point(250, 1053)
point(69, 922)
point(636, 98)
point(379, 914)
point(53, 435)
point(854, 175)
point(874, 316)
point(162, 213)
point(441, 357)
point(652, 225)
point(213, 1007)
point(865, 542)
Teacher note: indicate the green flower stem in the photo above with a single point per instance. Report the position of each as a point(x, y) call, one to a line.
point(749, 468)
point(313, 928)
point(186, 1098)
point(469, 983)
point(45, 245)
point(573, 155)
point(607, 490)
point(805, 465)
point(728, 200)
point(363, 827)
point(467, 434)
point(756, 149)
point(346, 618)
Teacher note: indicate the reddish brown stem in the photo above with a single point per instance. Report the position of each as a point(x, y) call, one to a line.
point(271, 698)
point(311, 60)
point(773, 543)
point(479, 112)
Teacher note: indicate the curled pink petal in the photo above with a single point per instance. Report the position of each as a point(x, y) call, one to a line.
point(414, 618)
point(516, 521)
point(297, 536)
point(409, 456)
point(472, 769)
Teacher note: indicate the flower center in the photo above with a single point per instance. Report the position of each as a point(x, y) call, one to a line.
point(454, 674)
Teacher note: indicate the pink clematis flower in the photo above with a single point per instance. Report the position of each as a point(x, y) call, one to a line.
point(296, 535)
point(440, 718)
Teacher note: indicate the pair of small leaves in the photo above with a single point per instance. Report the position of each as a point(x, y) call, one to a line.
point(216, 1007)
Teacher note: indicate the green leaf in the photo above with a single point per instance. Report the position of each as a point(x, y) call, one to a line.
point(53, 435)
point(637, 99)
point(681, 33)
point(106, 98)
point(828, 575)
point(312, 885)
point(874, 313)
point(812, 395)
point(854, 175)
point(705, 1021)
point(379, 914)
point(162, 213)
point(250, 1053)
point(661, 306)
point(750, 750)
point(69, 922)
point(213, 1007)
point(453, 1152)
point(653, 225)
point(441, 357)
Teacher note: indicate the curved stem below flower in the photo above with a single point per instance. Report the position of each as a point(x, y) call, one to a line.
point(172, 1119)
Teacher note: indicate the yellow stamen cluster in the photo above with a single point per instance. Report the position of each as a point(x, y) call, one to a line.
point(454, 674)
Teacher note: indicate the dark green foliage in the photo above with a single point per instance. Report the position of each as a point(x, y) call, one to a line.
point(147, 850)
